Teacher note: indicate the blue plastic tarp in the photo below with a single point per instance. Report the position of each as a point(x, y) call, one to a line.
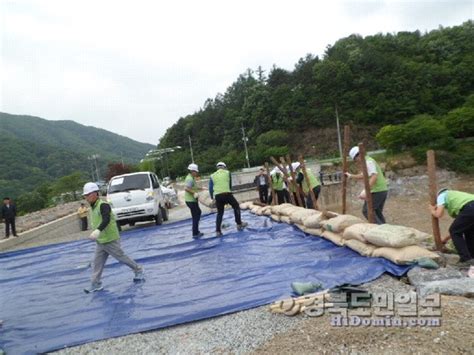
point(43, 306)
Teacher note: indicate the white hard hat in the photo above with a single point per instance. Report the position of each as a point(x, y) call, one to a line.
point(275, 170)
point(353, 152)
point(221, 164)
point(295, 165)
point(90, 187)
point(193, 167)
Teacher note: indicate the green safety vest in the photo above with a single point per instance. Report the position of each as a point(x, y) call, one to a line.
point(221, 181)
point(456, 200)
point(189, 197)
point(380, 184)
point(111, 232)
point(277, 182)
point(313, 181)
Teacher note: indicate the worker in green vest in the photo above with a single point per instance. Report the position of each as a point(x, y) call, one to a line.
point(314, 184)
point(377, 182)
point(220, 187)
point(279, 186)
point(191, 196)
point(460, 206)
point(295, 188)
point(106, 235)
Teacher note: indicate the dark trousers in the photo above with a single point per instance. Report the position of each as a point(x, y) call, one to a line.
point(378, 201)
point(10, 222)
point(296, 199)
point(222, 200)
point(309, 200)
point(462, 232)
point(263, 193)
point(83, 223)
point(280, 197)
point(195, 214)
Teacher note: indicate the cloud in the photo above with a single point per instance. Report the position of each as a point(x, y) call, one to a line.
point(136, 67)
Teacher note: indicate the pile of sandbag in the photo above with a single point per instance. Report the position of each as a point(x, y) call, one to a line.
point(398, 244)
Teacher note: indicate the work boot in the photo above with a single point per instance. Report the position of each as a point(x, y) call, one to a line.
point(94, 288)
point(197, 236)
point(139, 275)
point(465, 264)
point(218, 234)
point(242, 225)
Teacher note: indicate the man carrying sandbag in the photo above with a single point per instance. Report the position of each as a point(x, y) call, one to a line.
point(460, 206)
point(377, 182)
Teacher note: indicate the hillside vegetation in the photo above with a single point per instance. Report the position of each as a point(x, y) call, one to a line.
point(374, 81)
point(36, 151)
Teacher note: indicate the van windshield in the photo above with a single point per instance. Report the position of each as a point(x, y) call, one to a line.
point(127, 183)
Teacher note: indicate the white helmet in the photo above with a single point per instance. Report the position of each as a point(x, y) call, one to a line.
point(221, 165)
point(90, 187)
point(275, 170)
point(353, 152)
point(193, 167)
point(295, 165)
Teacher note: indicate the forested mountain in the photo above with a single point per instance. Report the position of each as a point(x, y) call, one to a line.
point(374, 81)
point(36, 151)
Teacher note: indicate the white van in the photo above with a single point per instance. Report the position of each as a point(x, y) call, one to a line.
point(136, 197)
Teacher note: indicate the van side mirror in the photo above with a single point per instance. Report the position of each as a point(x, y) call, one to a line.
point(156, 184)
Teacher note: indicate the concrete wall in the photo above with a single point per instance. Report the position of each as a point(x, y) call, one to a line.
point(66, 225)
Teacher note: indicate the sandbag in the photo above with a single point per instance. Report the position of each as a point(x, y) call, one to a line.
point(420, 236)
point(333, 237)
point(314, 231)
point(301, 227)
point(278, 208)
point(256, 210)
point(299, 214)
point(267, 210)
point(339, 223)
point(356, 231)
point(313, 220)
point(206, 200)
point(285, 219)
point(288, 210)
point(405, 255)
point(275, 217)
point(389, 235)
point(246, 205)
point(360, 247)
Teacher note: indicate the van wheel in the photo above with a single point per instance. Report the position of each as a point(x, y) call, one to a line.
point(164, 213)
point(159, 218)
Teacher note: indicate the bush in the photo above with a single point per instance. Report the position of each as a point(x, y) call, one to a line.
point(423, 130)
point(460, 122)
point(273, 138)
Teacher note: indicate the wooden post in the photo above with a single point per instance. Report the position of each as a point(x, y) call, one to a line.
point(293, 183)
point(363, 165)
point(345, 152)
point(308, 184)
point(431, 162)
point(293, 178)
point(274, 197)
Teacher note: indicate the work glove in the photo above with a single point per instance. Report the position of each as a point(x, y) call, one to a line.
point(349, 175)
point(94, 235)
point(196, 195)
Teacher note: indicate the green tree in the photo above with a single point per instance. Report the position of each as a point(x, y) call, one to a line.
point(69, 186)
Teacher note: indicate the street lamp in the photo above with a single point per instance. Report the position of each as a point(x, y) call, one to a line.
point(159, 153)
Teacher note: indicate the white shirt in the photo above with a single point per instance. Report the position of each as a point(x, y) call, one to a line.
point(371, 167)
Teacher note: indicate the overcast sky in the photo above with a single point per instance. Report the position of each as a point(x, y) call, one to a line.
point(136, 67)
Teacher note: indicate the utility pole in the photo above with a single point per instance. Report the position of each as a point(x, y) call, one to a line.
point(338, 133)
point(245, 139)
point(191, 149)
